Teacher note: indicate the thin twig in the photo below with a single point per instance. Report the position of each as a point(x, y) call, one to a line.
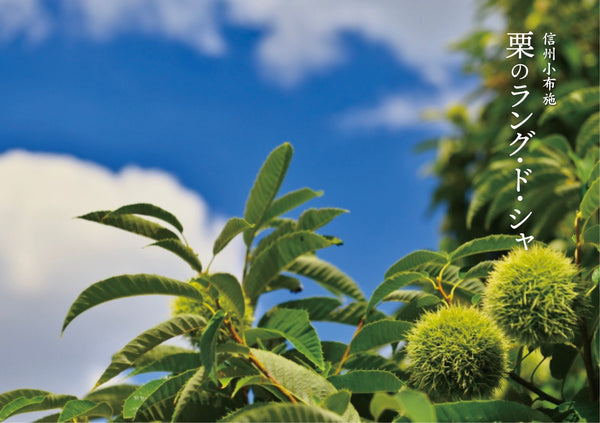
point(260, 366)
point(534, 388)
point(347, 352)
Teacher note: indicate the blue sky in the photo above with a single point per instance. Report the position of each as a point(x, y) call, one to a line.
point(178, 103)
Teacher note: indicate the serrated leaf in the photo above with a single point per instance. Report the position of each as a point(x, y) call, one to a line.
point(299, 380)
point(317, 307)
point(114, 395)
point(487, 411)
point(337, 402)
point(182, 251)
point(313, 219)
point(326, 275)
point(151, 210)
point(480, 270)
point(158, 353)
point(295, 326)
point(279, 256)
point(576, 101)
point(78, 409)
point(484, 245)
point(285, 282)
point(208, 344)
point(232, 228)
point(9, 396)
point(229, 287)
point(414, 259)
point(266, 186)
point(192, 386)
point(127, 286)
point(283, 413)
point(379, 333)
point(588, 135)
point(126, 357)
point(154, 391)
point(27, 404)
point(590, 201)
point(391, 284)
point(366, 381)
point(290, 201)
point(130, 223)
point(174, 363)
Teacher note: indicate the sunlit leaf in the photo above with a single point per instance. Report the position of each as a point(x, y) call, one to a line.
point(232, 228)
point(127, 286)
point(379, 333)
point(80, 409)
point(183, 251)
point(326, 275)
point(266, 186)
point(151, 210)
point(126, 357)
point(279, 256)
point(413, 260)
point(295, 326)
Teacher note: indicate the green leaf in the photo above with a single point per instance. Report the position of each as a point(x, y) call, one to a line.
point(588, 135)
point(183, 251)
point(158, 353)
point(155, 391)
point(326, 275)
point(576, 101)
point(265, 187)
point(127, 286)
point(379, 333)
point(78, 409)
point(299, 380)
point(27, 404)
point(480, 270)
point(130, 223)
point(337, 402)
point(391, 284)
point(188, 393)
point(229, 287)
point(277, 413)
point(313, 219)
point(114, 395)
point(126, 357)
point(151, 210)
point(295, 326)
point(412, 404)
point(562, 359)
point(590, 201)
point(487, 411)
point(279, 256)
point(413, 260)
point(232, 228)
point(285, 282)
point(290, 201)
point(484, 245)
point(318, 308)
point(174, 363)
point(208, 344)
point(366, 381)
point(10, 396)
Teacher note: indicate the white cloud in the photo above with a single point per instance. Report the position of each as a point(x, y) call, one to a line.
point(47, 258)
point(304, 36)
point(298, 38)
point(188, 21)
point(23, 17)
